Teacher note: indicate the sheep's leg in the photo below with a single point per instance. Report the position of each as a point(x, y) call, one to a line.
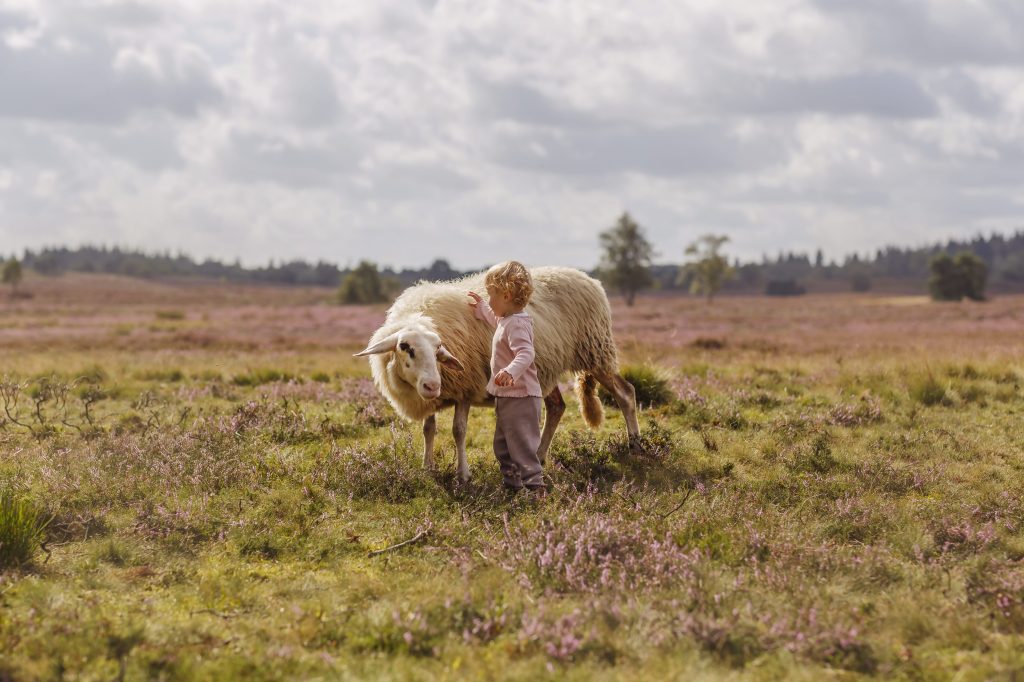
point(429, 431)
point(625, 396)
point(554, 407)
point(460, 425)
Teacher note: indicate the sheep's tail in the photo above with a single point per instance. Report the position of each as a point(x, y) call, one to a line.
point(590, 406)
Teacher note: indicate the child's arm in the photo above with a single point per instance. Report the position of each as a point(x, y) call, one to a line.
point(482, 310)
point(520, 340)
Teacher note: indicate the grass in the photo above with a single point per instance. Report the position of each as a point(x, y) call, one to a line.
point(798, 512)
point(21, 528)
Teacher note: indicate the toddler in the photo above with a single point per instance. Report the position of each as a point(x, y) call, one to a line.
point(514, 383)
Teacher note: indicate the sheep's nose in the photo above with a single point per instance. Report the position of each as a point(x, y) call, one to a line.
point(431, 387)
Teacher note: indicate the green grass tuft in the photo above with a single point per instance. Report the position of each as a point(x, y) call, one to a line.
point(21, 528)
point(927, 390)
point(651, 386)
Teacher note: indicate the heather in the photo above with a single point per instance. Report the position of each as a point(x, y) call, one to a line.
point(834, 494)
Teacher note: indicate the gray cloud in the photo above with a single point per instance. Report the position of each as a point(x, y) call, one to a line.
point(86, 84)
point(524, 103)
point(934, 33)
point(263, 158)
point(676, 151)
point(880, 94)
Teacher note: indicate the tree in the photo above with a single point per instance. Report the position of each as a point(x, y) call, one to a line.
point(974, 273)
point(860, 282)
point(708, 269)
point(362, 285)
point(954, 278)
point(12, 274)
point(626, 262)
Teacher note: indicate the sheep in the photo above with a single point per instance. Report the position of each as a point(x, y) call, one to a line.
point(432, 353)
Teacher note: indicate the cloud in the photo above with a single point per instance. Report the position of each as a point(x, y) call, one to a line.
point(932, 32)
point(96, 83)
point(882, 94)
point(267, 158)
point(676, 151)
point(391, 130)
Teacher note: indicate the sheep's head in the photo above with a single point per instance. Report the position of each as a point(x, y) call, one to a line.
point(418, 352)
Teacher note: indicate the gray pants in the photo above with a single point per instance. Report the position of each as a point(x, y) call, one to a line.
point(516, 439)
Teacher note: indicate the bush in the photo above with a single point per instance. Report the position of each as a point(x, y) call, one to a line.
point(784, 287)
point(21, 528)
point(365, 285)
point(953, 279)
point(860, 282)
point(652, 388)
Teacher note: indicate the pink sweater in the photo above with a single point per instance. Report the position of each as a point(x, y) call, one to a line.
point(512, 351)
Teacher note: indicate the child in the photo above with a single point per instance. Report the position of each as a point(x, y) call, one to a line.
point(514, 383)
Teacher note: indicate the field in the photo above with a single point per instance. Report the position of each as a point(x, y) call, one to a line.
point(833, 489)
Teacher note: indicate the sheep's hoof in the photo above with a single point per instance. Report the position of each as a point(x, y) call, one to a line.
point(636, 446)
point(464, 477)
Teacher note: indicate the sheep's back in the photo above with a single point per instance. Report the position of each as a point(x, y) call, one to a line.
point(572, 324)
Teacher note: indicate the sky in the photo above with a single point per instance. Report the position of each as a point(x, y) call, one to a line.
point(482, 130)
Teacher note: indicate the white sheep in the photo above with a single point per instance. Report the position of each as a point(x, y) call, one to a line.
point(431, 353)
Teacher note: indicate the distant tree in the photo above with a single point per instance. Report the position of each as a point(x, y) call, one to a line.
point(974, 272)
point(860, 282)
point(626, 262)
point(440, 271)
point(708, 269)
point(12, 274)
point(362, 285)
point(819, 259)
point(955, 278)
point(784, 287)
point(1012, 267)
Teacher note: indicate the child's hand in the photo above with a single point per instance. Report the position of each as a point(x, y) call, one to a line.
point(476, 298)
point(503, 378)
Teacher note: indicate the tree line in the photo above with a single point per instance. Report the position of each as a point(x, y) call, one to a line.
point(627, 265)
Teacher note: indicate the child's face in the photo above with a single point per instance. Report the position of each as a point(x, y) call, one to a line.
point(500, 303)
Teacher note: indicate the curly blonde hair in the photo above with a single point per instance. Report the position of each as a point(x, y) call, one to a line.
point(511, 278)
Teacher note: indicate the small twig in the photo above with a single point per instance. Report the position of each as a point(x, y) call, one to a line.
point(213, 612)
point(504, 520)
point(678, 506)
point(419, 536)
point(630, 501)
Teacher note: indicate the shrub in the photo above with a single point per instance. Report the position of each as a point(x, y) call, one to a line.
point(365, 285)
point(652, 389)
point(860, 282)
point(952, 279)
point(708, 343)
point(21, 528)
point(784, 287)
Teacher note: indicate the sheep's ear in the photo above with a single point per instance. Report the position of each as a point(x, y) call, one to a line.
point(383, 346)
point(449, 360)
